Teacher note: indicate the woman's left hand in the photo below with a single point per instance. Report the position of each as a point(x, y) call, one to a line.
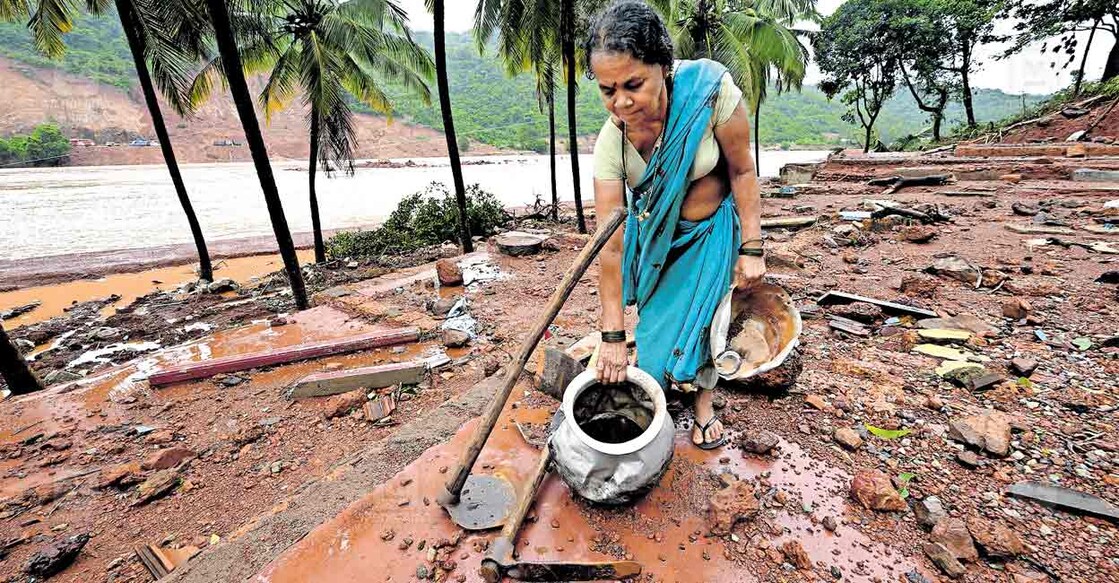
point(748, 272)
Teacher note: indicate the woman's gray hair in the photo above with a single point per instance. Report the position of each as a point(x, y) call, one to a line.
point(629, 27)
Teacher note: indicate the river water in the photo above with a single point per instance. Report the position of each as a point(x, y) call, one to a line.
point(53, 211)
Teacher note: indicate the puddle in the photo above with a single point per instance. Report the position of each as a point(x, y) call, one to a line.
point(664, 531)
point(130, 286)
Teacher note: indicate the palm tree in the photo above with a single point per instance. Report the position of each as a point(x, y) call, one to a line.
point(235, 75)
point(751, 37)
point(569, 30)
point(53, 18)
point(14, 370)
point(527, 41)
point(436, 9)
point(333, 50)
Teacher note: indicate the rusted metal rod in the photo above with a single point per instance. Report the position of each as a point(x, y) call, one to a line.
point(489, 419)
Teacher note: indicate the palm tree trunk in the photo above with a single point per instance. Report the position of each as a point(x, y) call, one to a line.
point(568, 41)
point(13, 368)
point(1084, 61)
point(757, 140)
point(316, 226)
point(449, 126)
point(552, 150)
point(131, 32)
point(227, 48)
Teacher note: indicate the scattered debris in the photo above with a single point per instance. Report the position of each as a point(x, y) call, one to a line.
point(158, 485)
point(944, 335)
point(1023, 367)
point(517, 244)
point(848, 438)
point(787, 222)
point(1039, 230)
point(379, 407)
point(943, 559)
point(732, 504)
point(454, 338)
point(1065, 498)
point(159, 561)
point(929, 512)
point(759, 442)
point(989, 431)
point(448, 272)
point(953, 534)
point(371, 377)
point(995, 538)
point(833, 298)
point(796, 555)
point(958, 269)
point(555, 371)
point(19, 310)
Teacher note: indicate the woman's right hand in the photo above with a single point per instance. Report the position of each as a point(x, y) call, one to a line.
point(613, 358)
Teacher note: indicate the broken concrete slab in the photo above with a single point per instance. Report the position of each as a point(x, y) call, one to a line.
point(787, 222)
point(948, 353)
point(209, 368)
point(1094, 175)
point(517, 244)
point(947, 335)
point(833, 298)
point(369, 377)
point(555, 371)
point(1065, 498)
point(1038, 229)
point(967, 322)
point(1101, 229)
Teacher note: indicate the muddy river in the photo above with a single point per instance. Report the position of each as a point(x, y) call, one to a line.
point(51, 211)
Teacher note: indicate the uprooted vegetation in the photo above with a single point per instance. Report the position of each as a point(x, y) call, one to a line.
point(424, 219)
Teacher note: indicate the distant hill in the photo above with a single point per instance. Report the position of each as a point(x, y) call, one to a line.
point(493, 109)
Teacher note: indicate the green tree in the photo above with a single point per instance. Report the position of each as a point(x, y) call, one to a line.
point(970, 23)
point(754, 39)
point(1046, 20)
point(333, 51)
point(849, 52)
point(146, 24)
point(926, 56)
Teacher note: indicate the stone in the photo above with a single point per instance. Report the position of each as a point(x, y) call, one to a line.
point(929, 512)
point(222, 286)
point(874, 490)
point(957, 268)
point(1023, 367)
point(516, 244)
point(23, 345)
point(848, 438)
point(56, 556)
point(795, 554)
point(119, 476)
point(19, 310)
point(158, 486)
point(967, 322)
point(830, 523)
point(953, 534)
point(995, 538)
point(816, 402)
point(60, 376)
point(455, 338)
point(943, 559)
point(968, 459)
point(341, 405)
point(918, 285)
point(759, 442)
point(1016, 309)
point(555, 371)
point(990, 432)
point(918, 234)
point(167, 458)
point(448, 272)
point(731, 505)
point(441, 307)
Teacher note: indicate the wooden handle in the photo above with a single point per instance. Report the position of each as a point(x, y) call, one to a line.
point(500, 552)
point(489, 420)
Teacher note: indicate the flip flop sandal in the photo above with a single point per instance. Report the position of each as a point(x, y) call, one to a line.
point(709, 445)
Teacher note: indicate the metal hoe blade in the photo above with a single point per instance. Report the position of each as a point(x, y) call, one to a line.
point(608, 571)
point(485, 503)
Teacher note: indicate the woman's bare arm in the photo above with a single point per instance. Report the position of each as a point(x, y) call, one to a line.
point(609, 195)
point(734, 143)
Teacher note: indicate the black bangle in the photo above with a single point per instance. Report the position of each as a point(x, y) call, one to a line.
point(751, 251)
point(614, 336)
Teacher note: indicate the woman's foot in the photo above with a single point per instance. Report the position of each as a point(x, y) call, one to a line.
point(707, 433)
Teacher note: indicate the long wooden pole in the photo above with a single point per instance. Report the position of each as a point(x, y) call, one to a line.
point(489, 420)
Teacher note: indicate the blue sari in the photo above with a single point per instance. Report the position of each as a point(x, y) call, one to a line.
point(676, 271)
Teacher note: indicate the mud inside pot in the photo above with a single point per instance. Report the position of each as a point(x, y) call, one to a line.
point(613, 413)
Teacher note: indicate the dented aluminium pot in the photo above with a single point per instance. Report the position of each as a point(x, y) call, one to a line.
point(609, 472)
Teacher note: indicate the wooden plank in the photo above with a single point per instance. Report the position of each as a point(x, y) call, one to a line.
point(848, 326)
point(370, 377)
point(1039, 230)
point(239, 362)
point(787, 222)
point(840, 298)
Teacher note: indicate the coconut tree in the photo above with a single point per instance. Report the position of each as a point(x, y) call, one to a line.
point(144, 23)
point(233, 69)
point(14, 370)
point(332, 51)
point(527, 41)
point(755, 39)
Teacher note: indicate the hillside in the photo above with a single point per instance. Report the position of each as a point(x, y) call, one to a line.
point(489, 107)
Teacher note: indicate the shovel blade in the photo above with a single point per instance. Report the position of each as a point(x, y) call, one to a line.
point(484, 503)
point(543, 571)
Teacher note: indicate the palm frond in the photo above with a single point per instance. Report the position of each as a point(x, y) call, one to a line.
point(49, 22)
point(281, 84)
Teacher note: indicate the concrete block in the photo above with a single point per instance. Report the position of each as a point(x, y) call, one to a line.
point(370, 377)
point(1093, 175)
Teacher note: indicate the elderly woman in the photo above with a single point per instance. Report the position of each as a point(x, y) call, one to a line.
point(675, 151)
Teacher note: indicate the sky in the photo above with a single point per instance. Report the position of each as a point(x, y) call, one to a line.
point(1026, 72)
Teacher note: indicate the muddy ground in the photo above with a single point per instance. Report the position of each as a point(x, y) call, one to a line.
point(260, 471)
